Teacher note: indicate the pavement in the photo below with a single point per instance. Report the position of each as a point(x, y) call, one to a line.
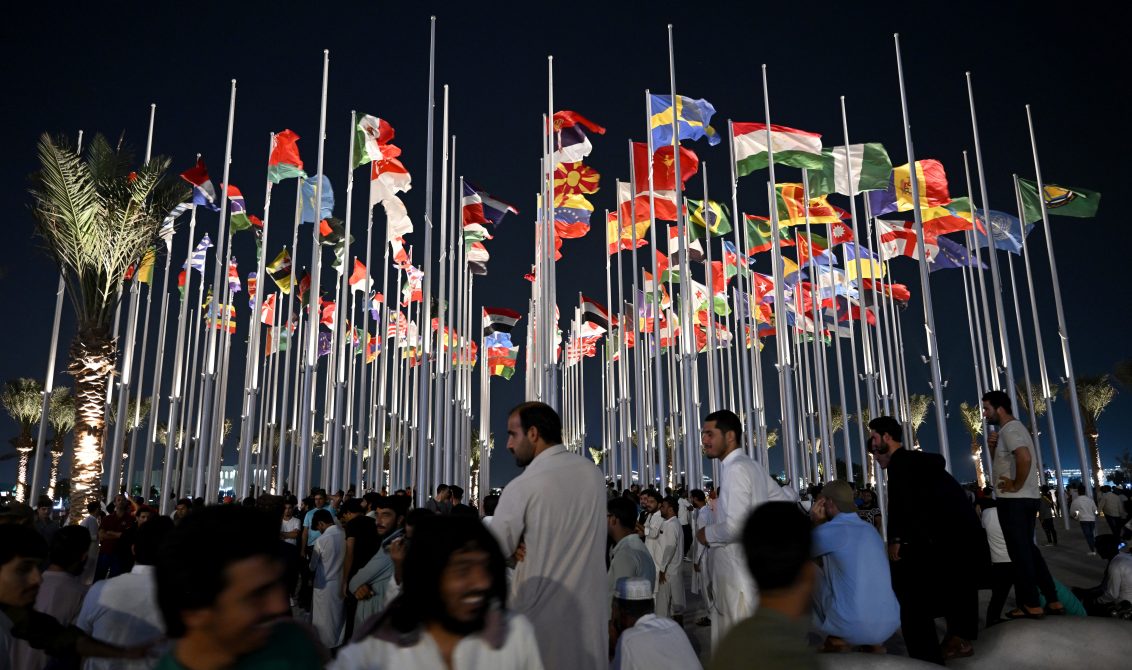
point(1017, 645)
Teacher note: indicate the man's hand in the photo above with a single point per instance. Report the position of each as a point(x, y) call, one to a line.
point(520, 552)
point(663, 577)
point(818, 512)
point(701, 536)
point(397, 550)
point(1006, 485)
point(364, 592)
point(695, 567)
point(894, 552)
point(639, 529)
point(992, 439)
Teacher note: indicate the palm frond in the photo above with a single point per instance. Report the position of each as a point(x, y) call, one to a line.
point(23, 399)
point(61, 411)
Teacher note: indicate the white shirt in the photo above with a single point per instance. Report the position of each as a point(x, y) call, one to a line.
point(652, 643)
point(1118, 585)
point(997, 542)
point(288, 525)
point(123, 611)
point(684, 511)
point(1112, 505)
point(60, 596)
point(557, 507)
point(653, 524)
point(1083, 509)
point(670, 542)
point(518, 652)
point(328, 556)
point(1014, 436)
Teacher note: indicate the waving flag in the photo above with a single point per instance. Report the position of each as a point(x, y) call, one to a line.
point(574, 179)
point(620, 237)
point(499, 320)
point(372, 139)
point(267, 310)
point(280, 271)
point(897, 196)
point(797, 148)
point(477, 258)
point(710, 216)
point(284, 162)
point(233, 277)
point(196, 260)
point(166, 231)
point(310, 191)
point(898, 238)
point(253, 285)
point(570, 141)
point(359, 278)
point(759, 235)
point(871, 267)
point(1006, 231)
point(1060, 200)
point(204, 193)
point(692, 119)
point(868, 169)
point(953, 255)
point(481, 207)
point(793, 207)
point(239, 210)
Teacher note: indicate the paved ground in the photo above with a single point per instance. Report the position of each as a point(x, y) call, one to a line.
point(1051, 642)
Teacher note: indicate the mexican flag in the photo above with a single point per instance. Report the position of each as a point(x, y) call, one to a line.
point(868, 168)
point(797, 148)
point(1060, 200)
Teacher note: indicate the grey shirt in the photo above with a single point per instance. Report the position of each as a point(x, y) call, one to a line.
point(1011, 437)
point(630, 559)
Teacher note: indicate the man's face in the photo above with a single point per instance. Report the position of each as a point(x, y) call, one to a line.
point(19, 581)
point(990, 414)
point(649, 503)
point(697, 503)
point(44, 513)
point(387, 521)
point(445, 495)
point(182, 510)
point(288, 511)
point(667, 511)
point(879, 446)
point(465, 585)
point(611, 523)
point(122, 508)
point(319, 500)
point(144, 516)
point(518, 442)
point(253, 599)
point(713, 440)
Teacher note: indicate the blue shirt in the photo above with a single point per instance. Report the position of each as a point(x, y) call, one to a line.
point(854, 598)
point(313, 534)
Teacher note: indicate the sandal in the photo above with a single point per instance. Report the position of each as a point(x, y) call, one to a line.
point(1015, 614)
point(1055, 611)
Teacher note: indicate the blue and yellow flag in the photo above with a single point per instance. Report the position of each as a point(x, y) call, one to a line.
point(693, 117)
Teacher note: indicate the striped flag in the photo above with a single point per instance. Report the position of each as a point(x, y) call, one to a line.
point(499, 320)
point(196, 260)
point(165, 232)
point(593, 312)
point(280, 271)
point(478, 206)
point(204, 193)
point(234, 277)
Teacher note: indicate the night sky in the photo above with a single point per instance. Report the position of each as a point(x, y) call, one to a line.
point(98, 69)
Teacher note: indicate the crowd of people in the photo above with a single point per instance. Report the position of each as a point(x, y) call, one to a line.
point(533, 577)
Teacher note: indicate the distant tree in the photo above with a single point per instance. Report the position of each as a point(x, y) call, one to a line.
point(23, 399)
point(1094, 393)
point(973, 422)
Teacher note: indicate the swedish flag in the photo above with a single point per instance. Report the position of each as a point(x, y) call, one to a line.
point(692, 118)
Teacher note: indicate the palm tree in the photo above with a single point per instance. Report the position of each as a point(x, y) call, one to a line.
point(918, 405)
point(23, 398)
point(97, 216)
point(836, 419)
point(474, 452)
point(61, 416)
point(973, 422)
point(1093, 395)
point(1041, 405)
point(1123, 372)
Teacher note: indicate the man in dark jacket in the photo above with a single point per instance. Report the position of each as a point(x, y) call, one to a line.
point(935, 543)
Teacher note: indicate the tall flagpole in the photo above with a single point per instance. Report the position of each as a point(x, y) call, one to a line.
point(661, 441)
point(743, 297)
point(338, 441)
point(423, 421)
point(1029, 390)
point(1063, 331)
point(439, 410)
point(48, 387)
point(929, 315)
point(294, 351)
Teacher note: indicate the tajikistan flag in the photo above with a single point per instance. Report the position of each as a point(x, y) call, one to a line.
point(797, 148)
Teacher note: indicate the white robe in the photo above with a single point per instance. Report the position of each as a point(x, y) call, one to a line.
point(700, 555)
point(653, 524)
point(327, 613)
point(557, 508)
point(744, 485)
point(653, 643)
point(670, 595)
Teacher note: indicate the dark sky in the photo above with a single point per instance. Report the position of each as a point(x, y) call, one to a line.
point(99, 69)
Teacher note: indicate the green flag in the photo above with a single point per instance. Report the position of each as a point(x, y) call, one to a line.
point(869, 168)
point(1060, 200)
point(759, 234)
point(713, 217)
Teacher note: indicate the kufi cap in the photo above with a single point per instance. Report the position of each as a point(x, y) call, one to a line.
point(633, 588)
point(841, 494)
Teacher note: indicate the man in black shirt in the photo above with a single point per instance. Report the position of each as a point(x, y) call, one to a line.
point(361, 544)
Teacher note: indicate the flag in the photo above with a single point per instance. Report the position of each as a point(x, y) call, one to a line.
point(620, 237)
point(695, 249)
point(1060, 200)
point(239, 210)
point(573, 180)
point(953, 255)
point(953, 217)
point(304, 285)
point(477, 258)
point(327, 310)
point(325, 343)
point(711, 217)
point(499, 320)
point(181, 283)
point(792, 207)
point(372, 138)
point(332, 231)
point(233, 277)
point(284, 162)
point(809, 246)
point(411, 291)
point(571, 143)
point(165, 232)
point(145, 268)
point(759, 235)
point(897, 196)
point(898, 238)
point(651, 287)
point(204, 193)
point(387, 178)
point(400, 256)
point(868, 169)
point(839, 233)
point(692, 119)
point(253, 284)
point(282, 335)
point(280, 271)
point(197, 259)
point(1006, 230)
point(481, 207)
point(593, 312)
point(663, 169)
point(572, 217)
point(791, 147)
point(310, 191)
point(359, 278)
point(375, 307)
point(871, 267)
point(227, 322)
point(267, 310)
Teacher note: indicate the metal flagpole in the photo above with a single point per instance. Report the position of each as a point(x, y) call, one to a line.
point(448, 284)
point(1029, 391)
point(48, 386)
point(423, 423)
point(364, 406)
point(158, 369)
point(444, 345)
point(1063, 331)
point(287, 436)
point(661, 441)
point(712, 370)
point(743, 293)
point(1047, 391)
point(929, 315)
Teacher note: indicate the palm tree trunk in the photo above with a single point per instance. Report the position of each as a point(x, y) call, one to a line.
point(92, 365)
point(22, 486)
point(56, 456)
point(1095, 457)
point(977, 456)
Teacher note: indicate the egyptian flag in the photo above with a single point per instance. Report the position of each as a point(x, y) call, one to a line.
point(593, 312)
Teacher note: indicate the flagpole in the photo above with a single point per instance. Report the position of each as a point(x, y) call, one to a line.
point(623, 443)
point(1047, 391)
point(1063, 331)
point(382, 411)
point(287, 436)
point(366, 408)
point(661, 443)
point(443, 369)
point(194, 408)
point(1034, 432)
point(306, 409)
point(981, 352)
point(131, 456)
point(929, 315)
point(743, 288)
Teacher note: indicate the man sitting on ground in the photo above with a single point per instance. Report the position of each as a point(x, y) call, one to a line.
point(643, 640)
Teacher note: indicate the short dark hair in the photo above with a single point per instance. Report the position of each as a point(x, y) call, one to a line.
point(150, 536)
point(654, 494)
point(998, 400)
point(22, 541)
point(68, 546)
point(777, 540)
point(416, 515)
point(624, 511)
point(351, 506)
point(672, 501)
point(321, 516)
point(193, 561)
point(490, 502)
point(93, 507)
point(457, 492)
point(435, 539)
point(185, 501)
point(542, 417)
point(697, 494)
point(371, 498)
point(441, 488)
point(465, 510)
point(727, 422)
point(887, 425)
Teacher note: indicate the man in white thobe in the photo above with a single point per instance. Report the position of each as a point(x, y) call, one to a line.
point(743, 486)
point(650, 529)
point(647, 641)
point(327, 555)
point(701, 517)
point(669, 569)
point(554, 511)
